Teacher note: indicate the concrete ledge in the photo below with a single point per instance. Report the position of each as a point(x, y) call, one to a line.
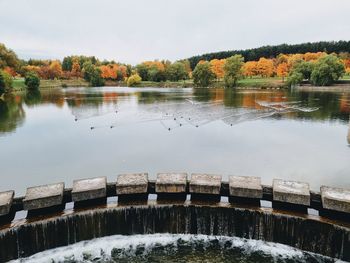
point(132, 184)
point(205, 184)
point(87, 189)
point(171, 183)
point(337, 199)
point(43, 196)
point(292, 192)
point(245, 186)
point(6, 199)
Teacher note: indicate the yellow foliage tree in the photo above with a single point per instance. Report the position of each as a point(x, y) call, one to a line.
point(56, 69)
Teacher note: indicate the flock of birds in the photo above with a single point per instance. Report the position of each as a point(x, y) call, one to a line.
point(174, 115)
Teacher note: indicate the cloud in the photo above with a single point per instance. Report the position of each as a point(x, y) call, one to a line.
point(135, 30)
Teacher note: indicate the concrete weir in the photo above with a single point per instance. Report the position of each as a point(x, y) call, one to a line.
point(328, 234)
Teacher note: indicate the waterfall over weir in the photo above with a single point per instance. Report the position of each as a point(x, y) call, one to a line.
point(304, 233)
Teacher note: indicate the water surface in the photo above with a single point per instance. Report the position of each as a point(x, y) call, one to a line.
point(176, 248)
point(65, 134)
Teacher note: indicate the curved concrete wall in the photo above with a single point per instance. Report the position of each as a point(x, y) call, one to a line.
point(301, 232)
point(315, 234)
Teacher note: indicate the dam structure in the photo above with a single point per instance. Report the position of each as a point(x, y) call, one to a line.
point(286, 212)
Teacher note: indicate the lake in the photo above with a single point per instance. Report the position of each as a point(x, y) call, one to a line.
point(66, 134)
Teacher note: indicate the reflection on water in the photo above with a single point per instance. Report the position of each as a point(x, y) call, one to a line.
point(83, 132)
point(349, 133)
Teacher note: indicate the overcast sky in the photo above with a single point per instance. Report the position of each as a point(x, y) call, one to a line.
point(135, 30)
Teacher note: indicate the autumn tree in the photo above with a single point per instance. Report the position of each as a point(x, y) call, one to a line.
point(249, 69)
point(133, 80)
point(217, 66)
point(265, 67)
point(282, 70)
point(56, 69)
point(109, 71)
point(203, 75)
point(10, 71)
point(233, 70)
point(309, 56)
point(76, 71)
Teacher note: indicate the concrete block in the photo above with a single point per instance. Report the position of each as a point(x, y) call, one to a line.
point(291, 192)
point(87, 189)
point(205, 184)
point(337, 199)
point(171, 183)
point(245, 186)
point(43, 196)
point(132, 184)
point(6, 199)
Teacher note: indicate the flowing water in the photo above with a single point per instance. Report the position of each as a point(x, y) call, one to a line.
point(175, 248)
point(66, 134)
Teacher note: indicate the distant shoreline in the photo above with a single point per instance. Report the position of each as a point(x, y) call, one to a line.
point(247, 83)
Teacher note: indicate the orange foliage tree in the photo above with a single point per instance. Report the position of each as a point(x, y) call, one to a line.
point(217, 67)
point(76, 70)
point(10, 71)
point(160, 66)
point(265, 67)
point(109, 71)
point(282, 70)
point(347, 65)
point(313, 56)
point(250, 68)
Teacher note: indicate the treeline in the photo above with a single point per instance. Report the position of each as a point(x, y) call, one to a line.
point(273, 51)
point(318, 68)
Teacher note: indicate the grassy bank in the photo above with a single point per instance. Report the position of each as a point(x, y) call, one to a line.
point(253, 83)
point(18, 83)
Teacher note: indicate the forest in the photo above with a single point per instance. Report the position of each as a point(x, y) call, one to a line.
point(273, 51)
point(288, 64)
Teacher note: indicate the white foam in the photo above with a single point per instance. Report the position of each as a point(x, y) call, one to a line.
point(106, 244)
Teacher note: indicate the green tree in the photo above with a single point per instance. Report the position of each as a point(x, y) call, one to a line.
point(155, 74)
point(176, 71)
point(67, 63)
point(305, 68)
point(300, 71)
point(5, 82)
point(327, 70)
point(95, 79)
point(142, 71)
point(8, 58)
point(233, 70)
point(32, 81)
point(295, 78)
point(203, 75)
point(88, 70)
